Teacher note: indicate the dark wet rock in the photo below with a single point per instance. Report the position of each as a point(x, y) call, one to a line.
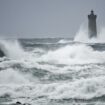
point(18, 103)
point(1, 53)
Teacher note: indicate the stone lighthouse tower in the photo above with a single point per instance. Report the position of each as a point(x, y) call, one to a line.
point(92, 28)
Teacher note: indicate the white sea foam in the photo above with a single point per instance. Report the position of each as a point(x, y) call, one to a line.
point(63, 41)
point(80, 89)
point(79, 61)
point(83, 89)
point(74, 54)
point(38, 50)
point(68, 55)
point(11, 76)
point(17, 84)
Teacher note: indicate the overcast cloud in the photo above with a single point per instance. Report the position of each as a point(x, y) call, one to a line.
point(47, 18)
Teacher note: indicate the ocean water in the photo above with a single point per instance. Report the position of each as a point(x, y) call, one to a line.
point(52, 71)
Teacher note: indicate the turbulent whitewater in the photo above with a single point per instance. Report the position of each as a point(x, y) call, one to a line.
point(52, 71)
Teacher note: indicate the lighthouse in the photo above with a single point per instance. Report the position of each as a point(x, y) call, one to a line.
point(92, 28)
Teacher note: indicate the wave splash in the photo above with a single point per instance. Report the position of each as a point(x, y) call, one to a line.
point(82, 36)
point(68, 54)
point(80, 61)
point(12, 48)
point(74, 54)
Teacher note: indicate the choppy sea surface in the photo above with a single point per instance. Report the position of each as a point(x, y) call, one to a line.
point(52, 71)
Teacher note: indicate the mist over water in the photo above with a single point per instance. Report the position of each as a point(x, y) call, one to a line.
point(53, 71)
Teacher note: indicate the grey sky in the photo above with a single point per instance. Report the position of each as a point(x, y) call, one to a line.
point(47, 18)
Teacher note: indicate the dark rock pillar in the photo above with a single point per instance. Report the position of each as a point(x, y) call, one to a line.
point(1, 53)
point(92, 29)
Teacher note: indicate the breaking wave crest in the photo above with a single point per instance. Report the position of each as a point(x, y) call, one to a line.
point(63, 41)
point(58, 60)
point(79, 89)
point(69, 54)
point(72, 71)
point(74, 54)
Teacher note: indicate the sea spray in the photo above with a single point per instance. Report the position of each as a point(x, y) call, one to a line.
point(12, 48)
point(74, 54)
point(82, 36)
point(70, 72)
